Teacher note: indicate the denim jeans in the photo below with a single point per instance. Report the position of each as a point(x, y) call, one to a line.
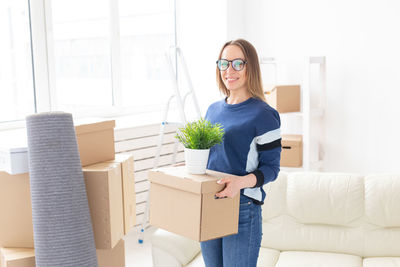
point(241, 249)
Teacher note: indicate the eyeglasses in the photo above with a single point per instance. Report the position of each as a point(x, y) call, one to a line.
point(237, 64)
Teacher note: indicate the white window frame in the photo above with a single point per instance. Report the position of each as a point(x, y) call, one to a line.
point(44, 66)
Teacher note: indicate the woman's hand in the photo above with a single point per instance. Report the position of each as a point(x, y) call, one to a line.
point(233, 184)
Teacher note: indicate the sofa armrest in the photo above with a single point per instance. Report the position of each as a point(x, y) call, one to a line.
point(180, 249)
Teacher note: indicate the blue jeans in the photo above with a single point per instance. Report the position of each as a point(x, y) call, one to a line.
point(241, 249)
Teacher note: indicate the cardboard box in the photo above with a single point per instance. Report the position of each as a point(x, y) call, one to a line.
point(96, 142)
point(112, 257)
point(128, 190)
point(14, 160)
point(104, 190)
point(20, 257)
point(184, 204)
point(292, 151)
point(13, 151)
point(16, 228)
point(17, 257)
point(284, 98)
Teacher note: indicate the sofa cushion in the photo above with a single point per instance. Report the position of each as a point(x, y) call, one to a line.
point(382, 212)
point(182, 248)
point(197, 262)
point(267, 257)
point(325, 198)
point(275, 200)
point(381, 262)
point(382, 200)
point(284, 233)
point(317, 259)
point(161, 257)
point(381, 241)
point(322, 212)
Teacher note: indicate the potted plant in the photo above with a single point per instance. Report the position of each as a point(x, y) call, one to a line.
point(198, 137)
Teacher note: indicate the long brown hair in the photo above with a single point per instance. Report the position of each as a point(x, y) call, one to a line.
point(253, 72)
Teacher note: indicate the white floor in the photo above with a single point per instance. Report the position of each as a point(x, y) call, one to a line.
point(138, 255)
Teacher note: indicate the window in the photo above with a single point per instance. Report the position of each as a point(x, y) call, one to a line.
point(81, 43)
point(111, 55)
point(16, 83)
point(92, 56)
point(147, 32)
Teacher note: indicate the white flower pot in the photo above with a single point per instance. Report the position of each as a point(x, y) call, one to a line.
point(196, 160)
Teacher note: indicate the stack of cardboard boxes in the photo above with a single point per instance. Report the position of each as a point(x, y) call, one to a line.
point(286, 98)
point(110, 187)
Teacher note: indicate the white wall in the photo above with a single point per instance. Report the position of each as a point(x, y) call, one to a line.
point(202, 30)
point(361, 41)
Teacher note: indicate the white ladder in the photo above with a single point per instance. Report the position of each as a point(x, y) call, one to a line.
point(181, 109)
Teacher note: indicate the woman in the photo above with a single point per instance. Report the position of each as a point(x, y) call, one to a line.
point(251, 150)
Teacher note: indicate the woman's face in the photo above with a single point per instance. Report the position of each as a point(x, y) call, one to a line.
point(234, 80)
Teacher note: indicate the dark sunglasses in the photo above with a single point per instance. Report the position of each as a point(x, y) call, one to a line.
point(237, 64)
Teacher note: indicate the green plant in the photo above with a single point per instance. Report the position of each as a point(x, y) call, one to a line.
point(200, 134)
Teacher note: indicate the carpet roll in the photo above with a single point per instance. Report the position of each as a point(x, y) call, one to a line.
point(62, 228)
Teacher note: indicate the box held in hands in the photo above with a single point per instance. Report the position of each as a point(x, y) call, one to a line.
point(184, 204)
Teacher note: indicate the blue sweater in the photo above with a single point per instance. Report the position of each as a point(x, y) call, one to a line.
point(252, 142)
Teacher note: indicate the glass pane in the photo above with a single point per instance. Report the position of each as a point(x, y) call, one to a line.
point(82, 54)
point(147, 31)
point(16, 83)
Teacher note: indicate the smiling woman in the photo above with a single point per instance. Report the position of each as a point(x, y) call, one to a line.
point(244, 72)
point(250, 151)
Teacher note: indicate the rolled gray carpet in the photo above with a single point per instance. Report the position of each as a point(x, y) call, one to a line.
point(62, 228)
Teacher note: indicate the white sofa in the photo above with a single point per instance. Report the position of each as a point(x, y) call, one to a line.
point(315, 220)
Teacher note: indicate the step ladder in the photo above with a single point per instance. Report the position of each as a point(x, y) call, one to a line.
point(180, 100)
